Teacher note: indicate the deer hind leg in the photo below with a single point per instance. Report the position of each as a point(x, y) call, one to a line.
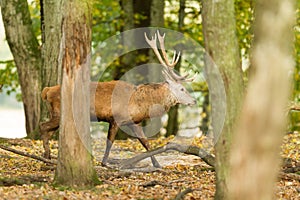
point(47, 130)
point(112, 132)
point(138, 130)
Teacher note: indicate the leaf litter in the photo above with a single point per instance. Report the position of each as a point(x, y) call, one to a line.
point(26, 178)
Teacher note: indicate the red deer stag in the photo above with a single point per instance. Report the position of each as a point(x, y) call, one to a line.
point(121, 103)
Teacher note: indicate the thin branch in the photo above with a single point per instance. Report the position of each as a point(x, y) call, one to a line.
point(295, 108)
point(181, 195)
point(191, 150)
point(289, 176)
point(28, 155)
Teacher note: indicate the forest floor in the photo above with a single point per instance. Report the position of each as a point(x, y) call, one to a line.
point(186, 175)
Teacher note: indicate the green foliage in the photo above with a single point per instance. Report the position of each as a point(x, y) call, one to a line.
point(297, 57)
point(108, 21)
point(295, 115)
point(9, 80)
point(34, 8)
point(244, 19)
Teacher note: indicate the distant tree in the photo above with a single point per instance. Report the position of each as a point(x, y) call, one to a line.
point(156, 20)
point(75, 167)
point(295, 115)
point(256, 144)
point(27, 57)
point(172, 125)
point(220, 39)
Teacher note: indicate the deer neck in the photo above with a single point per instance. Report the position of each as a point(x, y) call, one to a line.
point(159, 94)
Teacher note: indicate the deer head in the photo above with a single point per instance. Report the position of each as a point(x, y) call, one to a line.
point(173, 80)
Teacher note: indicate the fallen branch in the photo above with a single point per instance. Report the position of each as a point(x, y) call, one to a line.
point(154, 183)
point(191, 150)
point(291, 169)
point(181, 195)
point(28, 155)
point(289, 176)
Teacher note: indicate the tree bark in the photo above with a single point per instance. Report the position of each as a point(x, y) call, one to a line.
point(221, 44)
point(255, 153)
point(205, 121)
point(142, 9)
point(127, 60)
point(156, 20)
point(27, 56)
point(173, 125)
point(75, 167)
point(51, 34)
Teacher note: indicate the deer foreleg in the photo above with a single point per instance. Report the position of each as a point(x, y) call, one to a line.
point(47, 130)
point(143, 140)
point(112, 132)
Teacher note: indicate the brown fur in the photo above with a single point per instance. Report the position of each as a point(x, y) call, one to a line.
point(116, 102)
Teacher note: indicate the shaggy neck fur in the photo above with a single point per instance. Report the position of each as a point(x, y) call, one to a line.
point(156, 93)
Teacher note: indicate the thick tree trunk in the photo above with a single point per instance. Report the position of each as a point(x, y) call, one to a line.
point(255, 153)
point(75, 167)
point(51, 34)
point(27, 56)
point(221, 44)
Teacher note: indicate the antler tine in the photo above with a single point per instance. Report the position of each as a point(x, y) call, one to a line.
point(190, 79)
point(179, 77)
point(153, 45)
point(168, 71)
point(176, 76)
point(175, 60)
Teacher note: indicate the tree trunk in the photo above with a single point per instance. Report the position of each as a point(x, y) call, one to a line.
point(51, 34)
point(205, 121)
point(27, 56)
point(255, 153)
point(75, 167)
point(132, 59)
point(142, 8)
point(127, 61)
point(221, 43)
point(173, 125)
point(156, 20)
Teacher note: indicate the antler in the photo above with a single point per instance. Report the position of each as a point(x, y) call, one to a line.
point(164, 61)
